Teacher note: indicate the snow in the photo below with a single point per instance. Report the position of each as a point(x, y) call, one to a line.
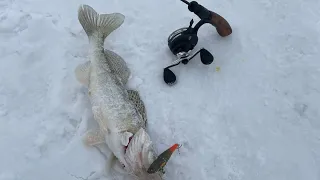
point(255, 118)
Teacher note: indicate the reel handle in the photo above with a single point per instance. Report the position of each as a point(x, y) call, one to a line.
point(221, 24)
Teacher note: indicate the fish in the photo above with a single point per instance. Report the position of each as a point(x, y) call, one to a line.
point(162, 160)
point(119, 112)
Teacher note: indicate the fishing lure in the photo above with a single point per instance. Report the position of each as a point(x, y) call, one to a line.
point(162, 160)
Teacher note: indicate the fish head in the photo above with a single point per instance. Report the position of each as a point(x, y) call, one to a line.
point(140, 155)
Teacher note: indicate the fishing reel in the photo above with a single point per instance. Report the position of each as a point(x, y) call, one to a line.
point(183, 40)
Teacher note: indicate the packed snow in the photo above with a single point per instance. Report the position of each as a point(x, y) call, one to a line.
point(252, 114)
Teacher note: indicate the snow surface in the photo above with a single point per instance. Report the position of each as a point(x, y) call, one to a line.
point(258, 117)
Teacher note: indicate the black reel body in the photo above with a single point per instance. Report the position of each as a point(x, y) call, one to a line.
point(182, 40)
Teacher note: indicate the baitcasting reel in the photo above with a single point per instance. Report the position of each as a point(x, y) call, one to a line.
point(182, 41)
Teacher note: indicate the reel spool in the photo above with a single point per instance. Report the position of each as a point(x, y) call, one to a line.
point(183, 40)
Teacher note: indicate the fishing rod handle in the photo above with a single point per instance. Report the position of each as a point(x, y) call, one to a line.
point(221, 24)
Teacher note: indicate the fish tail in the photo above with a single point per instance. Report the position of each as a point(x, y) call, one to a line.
point(98, 25)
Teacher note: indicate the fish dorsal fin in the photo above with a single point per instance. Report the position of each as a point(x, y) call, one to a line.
point(118, 65)
point(139, 104)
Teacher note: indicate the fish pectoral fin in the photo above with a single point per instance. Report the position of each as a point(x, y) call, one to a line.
point(125, 138)
point(94, 137)
point(139, 104)
point(82, 73)
point(118, 65)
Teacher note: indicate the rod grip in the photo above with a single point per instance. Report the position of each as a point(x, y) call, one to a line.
point(222, 26)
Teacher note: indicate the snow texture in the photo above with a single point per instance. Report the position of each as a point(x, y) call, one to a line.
point(252, 114)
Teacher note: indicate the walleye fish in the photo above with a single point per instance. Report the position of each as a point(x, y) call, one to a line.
point(120, 113)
